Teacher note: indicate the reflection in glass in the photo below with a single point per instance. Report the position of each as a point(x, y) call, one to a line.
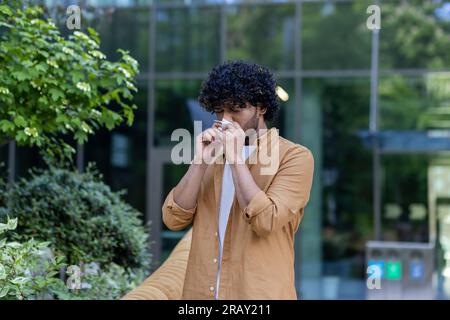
point(120, 155)
point(175, 104)
point(262, 34)
point(414, 36)
point(3, 161)
point(172, 174)
point(335, 35)
point(334, 111)
point(415, 103)
point(404, 197)
point(125, 28)
point(285, 120)
point(187, 39)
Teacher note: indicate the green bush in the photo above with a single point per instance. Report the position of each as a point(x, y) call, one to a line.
point(29, 270)
point(80, 216)
point(111, 283)
point(25, 271)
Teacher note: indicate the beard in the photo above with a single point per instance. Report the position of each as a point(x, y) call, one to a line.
point(253, 123)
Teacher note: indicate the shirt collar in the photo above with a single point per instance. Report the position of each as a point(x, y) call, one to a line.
point(264, 143)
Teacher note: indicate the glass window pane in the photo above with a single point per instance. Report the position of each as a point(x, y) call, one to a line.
point(415, 35)
point(172, 174)
point(335, 35)
point(28, 158)
point(405, 197)
point(415, 103)
point(338, 219)
point(176, 107)
point(99, 3)
point(262, 34)
point(124, 28)
point(188, 2)
point(120, 154)
point(187, 39)
point(3, 161)
point(285, 119)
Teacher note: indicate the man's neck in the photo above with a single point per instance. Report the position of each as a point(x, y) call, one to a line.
point(261, 126)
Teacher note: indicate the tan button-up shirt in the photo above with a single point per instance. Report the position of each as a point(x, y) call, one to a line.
point(258, 251)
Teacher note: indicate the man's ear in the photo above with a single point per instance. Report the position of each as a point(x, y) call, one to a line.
point(262, 110)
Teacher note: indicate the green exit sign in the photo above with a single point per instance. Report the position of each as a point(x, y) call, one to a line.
point(394, 270)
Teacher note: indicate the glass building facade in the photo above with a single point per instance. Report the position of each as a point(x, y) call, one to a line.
point(372, 106)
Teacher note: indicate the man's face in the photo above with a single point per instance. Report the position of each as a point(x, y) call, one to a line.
point(246, 117)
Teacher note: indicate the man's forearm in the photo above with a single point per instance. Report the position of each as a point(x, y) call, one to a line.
point(244, 184)
point(186, 192)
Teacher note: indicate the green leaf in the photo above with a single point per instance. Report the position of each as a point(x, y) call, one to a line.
point(21, 136)
point(44, 244)
point(20, 280)
point(14, 245)
point(56, 94)
point(6, 25)
point(52, 274)
point(4, 291)
point(108, 119)
point(11, 224)
point(42, 67)
point(61, 119)
point(20, 75)
point(128, 112)
point(43, 101)
point(5, 10)
point(93, 34)
point(20, 121)
point(2, 272)
point(80, 137)
point(77, 76)
point(6, 125)
point(40, 282)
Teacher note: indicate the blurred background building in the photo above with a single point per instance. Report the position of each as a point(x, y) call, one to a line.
point(373, 107)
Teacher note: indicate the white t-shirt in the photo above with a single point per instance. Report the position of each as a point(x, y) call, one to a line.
point(226, 201)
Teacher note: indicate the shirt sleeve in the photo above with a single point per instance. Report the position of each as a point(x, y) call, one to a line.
point(175, 217)
point(288, 193)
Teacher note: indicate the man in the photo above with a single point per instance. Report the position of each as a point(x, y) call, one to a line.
point(245, 210)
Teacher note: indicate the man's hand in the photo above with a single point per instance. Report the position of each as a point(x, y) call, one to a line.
point(234, 138)
point(208, 145)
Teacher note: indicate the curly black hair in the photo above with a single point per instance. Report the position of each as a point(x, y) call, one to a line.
point(234, 83)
